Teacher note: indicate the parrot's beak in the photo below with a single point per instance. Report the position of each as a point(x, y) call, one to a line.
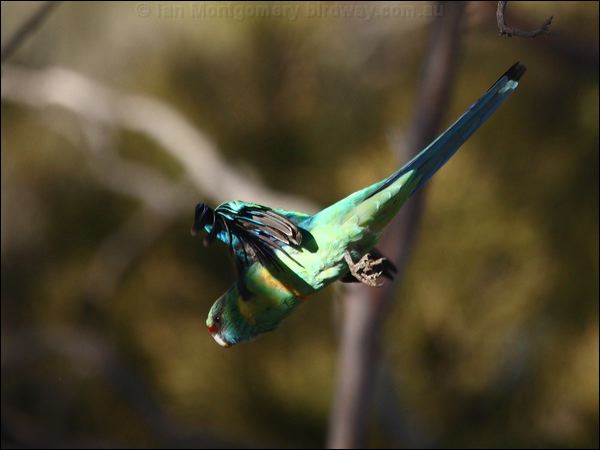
point(217, 337)
point(219, 340)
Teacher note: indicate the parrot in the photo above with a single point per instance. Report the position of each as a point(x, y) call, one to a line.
point(283, 257)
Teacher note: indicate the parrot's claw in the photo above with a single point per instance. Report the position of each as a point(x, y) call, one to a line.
point(363, 269)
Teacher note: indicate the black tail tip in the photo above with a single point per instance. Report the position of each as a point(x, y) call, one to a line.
point(515, 72)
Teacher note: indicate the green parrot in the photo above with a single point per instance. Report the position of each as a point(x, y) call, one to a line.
point(283, 257)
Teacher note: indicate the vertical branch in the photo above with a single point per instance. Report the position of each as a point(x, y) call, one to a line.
point(364, 309)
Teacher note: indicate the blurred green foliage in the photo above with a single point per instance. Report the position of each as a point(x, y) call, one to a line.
point(494, 337)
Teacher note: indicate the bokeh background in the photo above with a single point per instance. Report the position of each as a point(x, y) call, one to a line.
point(493, 338)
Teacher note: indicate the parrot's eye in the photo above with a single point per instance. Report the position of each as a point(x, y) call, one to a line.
point(217, 319)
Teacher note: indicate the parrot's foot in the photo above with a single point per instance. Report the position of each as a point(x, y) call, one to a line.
point(363, 269)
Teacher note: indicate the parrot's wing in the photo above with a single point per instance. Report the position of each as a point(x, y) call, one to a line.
point(258, 232)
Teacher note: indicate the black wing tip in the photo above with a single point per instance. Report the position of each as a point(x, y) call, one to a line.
point(515, 72)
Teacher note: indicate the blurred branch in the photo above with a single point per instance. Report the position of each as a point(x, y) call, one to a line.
point(162, 201)
point(96, 103)
point(29, 26)
point(365, 309)
point(156, 192)
point(397, 421)
point(505, 30)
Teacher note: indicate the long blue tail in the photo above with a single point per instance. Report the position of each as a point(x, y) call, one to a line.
point(430, 159)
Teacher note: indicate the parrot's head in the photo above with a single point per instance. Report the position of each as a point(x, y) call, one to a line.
point(240, 315)
point(224, 321)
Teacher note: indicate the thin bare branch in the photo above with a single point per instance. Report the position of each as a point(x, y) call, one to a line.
point(505, 30)
point(28, 27)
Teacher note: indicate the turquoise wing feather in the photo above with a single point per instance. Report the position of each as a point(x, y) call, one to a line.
point(252, 232)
